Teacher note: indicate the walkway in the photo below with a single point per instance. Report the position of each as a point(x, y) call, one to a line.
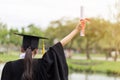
point(94, 58)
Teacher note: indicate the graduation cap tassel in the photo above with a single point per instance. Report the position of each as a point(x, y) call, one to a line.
point(43, 48)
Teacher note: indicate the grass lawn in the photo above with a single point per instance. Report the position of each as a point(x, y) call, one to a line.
point(94, 66)
point(12, 56)
point(8, 57)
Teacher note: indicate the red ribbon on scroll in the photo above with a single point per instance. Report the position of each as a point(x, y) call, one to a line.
point(83, 24)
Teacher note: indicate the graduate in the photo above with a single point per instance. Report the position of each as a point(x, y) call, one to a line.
point(52, 66)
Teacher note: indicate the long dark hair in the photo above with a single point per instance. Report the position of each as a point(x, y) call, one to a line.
point(27, 74)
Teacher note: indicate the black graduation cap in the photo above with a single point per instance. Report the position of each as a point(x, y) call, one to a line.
point(30, 41)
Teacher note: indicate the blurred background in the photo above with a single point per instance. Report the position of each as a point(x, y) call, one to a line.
point(96, 56)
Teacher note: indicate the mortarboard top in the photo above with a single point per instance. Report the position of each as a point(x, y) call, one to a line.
point(31, 41)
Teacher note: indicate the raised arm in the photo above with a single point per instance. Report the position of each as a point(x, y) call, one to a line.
point(71, 35)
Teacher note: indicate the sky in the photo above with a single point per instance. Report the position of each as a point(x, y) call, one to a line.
point(20, 13)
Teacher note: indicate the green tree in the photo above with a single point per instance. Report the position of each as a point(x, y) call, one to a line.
point(14, 39)
point(33, 29)
point(112, 40)
point(59, 29)
point(3, 33)
point(94, 33)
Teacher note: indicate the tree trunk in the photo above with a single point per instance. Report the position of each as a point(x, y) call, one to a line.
point(87, 51)
point(116, 55)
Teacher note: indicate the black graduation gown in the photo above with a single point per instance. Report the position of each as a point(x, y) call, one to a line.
point(52, 66)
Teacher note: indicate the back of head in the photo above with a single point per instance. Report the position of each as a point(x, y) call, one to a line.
point(29, 44)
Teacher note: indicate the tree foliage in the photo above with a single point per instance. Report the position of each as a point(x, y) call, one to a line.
point(99, 34)
point(3, 33)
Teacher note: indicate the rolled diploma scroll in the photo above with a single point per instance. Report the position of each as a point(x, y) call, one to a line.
point(83, 24)
point(82, 33)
